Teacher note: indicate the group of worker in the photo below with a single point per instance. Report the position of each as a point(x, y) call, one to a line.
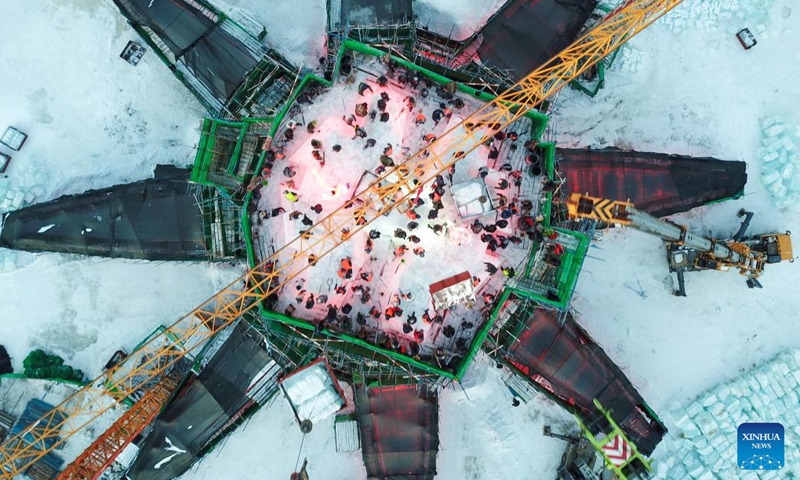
point(497, 235)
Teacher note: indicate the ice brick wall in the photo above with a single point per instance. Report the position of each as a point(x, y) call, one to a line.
point(780, 170)
point(701, 444)
point(708, 15)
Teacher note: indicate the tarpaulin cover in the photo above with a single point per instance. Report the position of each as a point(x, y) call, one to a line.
point(156, 219)
point(176, 23)
point(215, 57)
point(202, 409)
point(399, 431)
point(221, 62)
point(5, 361)
point(577, 370)
point(524, 34)
point(655, 183)
point(374, 12)
point(35, 434)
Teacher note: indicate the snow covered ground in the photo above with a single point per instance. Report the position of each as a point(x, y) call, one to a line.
point(94, 121)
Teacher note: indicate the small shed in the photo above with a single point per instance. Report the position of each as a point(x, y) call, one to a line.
point(313, 392)
point(472, 198)
point(453, 290)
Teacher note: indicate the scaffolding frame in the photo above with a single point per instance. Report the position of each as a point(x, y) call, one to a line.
point(266, 278)
point(222, 228)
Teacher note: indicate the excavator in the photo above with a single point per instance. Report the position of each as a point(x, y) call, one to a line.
point(687, 251)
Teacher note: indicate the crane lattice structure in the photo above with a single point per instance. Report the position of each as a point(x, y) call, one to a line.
point(395, 187)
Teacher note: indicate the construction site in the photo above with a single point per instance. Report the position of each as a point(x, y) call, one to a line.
point(404, 210)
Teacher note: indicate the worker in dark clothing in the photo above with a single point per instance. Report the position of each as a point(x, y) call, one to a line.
point(491, 269)
point(502, 184)
point(400, 233)
point(363, 87)
point(410, 103)
point(476, 227)
point(382, 105)
point(368, 247)
point(437, 116)
point(384, 117)
point(433, 214)
point(490, 228)
point(502, 241)
point(383, 81)
point(370, 143)
point(317, 208)
point(387, 161)
point(384, 96)
point(310, 302)
point(501, 223)
point(414, 239)
point(330, 317)
point(373, 234)
point(362, 109)
point(307, 221)
point(412, 225)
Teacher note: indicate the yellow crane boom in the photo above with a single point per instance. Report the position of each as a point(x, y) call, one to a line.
point(395, 186)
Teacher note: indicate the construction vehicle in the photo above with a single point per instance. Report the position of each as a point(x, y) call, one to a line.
point(156, 358)
point(688, 251)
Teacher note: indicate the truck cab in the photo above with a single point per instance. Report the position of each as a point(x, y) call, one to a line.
point(776, 247)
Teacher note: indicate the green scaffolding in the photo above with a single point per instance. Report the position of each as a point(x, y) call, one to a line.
point(343, 342)
point(635, 466)
point(229, 151)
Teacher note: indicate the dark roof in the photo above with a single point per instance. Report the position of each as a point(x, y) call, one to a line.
point(657, 183)
point(568, 363)
point(202, 408)
point(524, 34)
point(399, 431)
point(155, 219)
point(200, 39)
point(176, 22)
point(221, 62)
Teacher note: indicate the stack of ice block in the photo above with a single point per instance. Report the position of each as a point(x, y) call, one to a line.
point(709, 14)
point(702, 440)
point(780, 170)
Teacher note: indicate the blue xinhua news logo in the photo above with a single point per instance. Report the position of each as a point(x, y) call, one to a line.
point(760, 446)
